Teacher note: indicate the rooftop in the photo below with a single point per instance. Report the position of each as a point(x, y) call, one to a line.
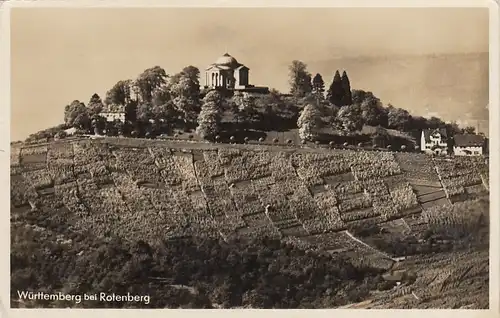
point(226, 59)
point(430, 132)
point(468, 140)
point(226, 62)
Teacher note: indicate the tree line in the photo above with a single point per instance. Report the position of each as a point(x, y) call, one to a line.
point(156, 103)
point(347, 110)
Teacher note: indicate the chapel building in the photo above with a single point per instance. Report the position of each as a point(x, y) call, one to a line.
point(228, 74)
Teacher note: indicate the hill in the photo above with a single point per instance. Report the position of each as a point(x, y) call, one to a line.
point(397, 230)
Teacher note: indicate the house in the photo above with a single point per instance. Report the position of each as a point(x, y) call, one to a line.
point(434, 141)
point(113, 112)
point(469, 145)
point(70, 132)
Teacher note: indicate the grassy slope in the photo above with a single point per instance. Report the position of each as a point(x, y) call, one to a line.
point(108, 188)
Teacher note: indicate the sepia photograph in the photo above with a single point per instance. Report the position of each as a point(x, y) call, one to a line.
point(249, 158)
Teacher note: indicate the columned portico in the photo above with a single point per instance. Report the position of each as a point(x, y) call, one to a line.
point(226, 73)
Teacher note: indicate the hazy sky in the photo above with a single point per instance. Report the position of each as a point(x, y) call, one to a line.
point(59, 55)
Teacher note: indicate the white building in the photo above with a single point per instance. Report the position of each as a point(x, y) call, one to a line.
point(70, 131)
point(469, 145)
point(434, 141)
point(226, 72)
point(113, 112)
point(230, 75)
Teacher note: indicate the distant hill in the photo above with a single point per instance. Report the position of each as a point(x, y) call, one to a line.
point(449, 86)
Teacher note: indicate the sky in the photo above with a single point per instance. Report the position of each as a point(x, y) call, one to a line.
point(59, 55)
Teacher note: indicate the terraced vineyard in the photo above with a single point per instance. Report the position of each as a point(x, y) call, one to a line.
point(314, 199)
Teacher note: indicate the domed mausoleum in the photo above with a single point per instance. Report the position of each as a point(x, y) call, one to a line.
point(227, 73)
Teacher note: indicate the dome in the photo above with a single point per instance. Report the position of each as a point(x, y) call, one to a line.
point(226, 59)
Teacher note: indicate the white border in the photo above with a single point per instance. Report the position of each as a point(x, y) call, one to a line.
point(494, 84)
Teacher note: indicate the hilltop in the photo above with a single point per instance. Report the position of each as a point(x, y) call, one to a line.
point(396, 230)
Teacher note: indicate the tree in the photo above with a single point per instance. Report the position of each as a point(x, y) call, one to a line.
point(308, 123)
point(148, 81)
point(119, 94)
point(318, 86)
point(418, 123)
point(373, 112)
point(398, 118)
point(452, 128)
point(193, 74)
point(244, 108)
point(161, 96)
point(335, 93)
point(167, 115)
point(77, 115)
point(215, 97)
point(144, 112)
point(469, 130)
point(346, 87)
point(95, 105)
point(60, 135)
point(435, 123)
point(350, 118)
point(185, 90)
point(82, 121)
point(300, 79)
point(98, 124)
point(359, 95)
point(210, 116)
